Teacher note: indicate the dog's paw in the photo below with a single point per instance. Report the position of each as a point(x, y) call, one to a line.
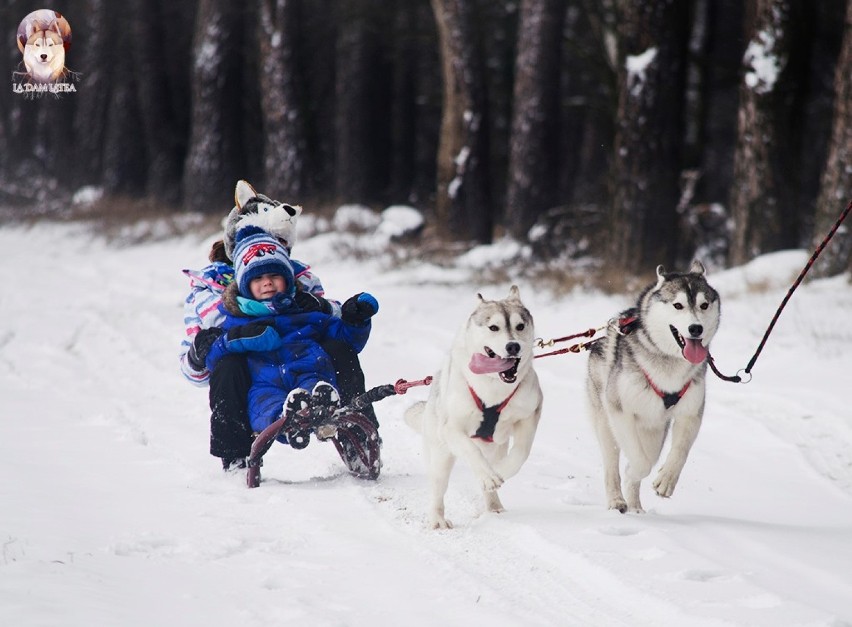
point(665, 483)
point(618, 504)
point(439, 522)
point(491, 482)
point(635, 508)
point(492, 503)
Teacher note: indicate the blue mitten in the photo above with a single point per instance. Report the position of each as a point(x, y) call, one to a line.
point(359, 308)
point(257, 336)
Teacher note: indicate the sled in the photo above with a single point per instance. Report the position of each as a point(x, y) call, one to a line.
point(355, 436)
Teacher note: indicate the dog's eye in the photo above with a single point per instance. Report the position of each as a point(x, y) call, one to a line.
point(494, 328)
point(678, 306)
point(520, 327)
point(705, 305)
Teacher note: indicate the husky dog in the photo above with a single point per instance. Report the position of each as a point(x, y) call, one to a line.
point(44, 57)
point(648, 374)
point(251, 208)
point(43, 37)
point(485, 395)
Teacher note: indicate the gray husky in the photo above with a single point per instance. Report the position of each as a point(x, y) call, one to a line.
point(648, 374)
point(485, 395)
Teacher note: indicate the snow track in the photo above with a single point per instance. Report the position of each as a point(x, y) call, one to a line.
point(113, 513)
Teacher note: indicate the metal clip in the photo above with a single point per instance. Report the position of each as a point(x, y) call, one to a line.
point(614, 324)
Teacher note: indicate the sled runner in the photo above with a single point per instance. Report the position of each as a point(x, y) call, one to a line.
point(355, 436)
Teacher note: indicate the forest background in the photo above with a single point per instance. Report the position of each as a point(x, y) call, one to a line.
point(636, 132)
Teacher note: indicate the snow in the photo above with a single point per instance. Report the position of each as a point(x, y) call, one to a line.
point(764, 65)
point(399, 221)
point(113, 513)
point(355, 217)
point(87, 195)
point(637, 66)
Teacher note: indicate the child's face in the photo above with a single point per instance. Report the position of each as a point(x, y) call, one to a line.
point(266, 286)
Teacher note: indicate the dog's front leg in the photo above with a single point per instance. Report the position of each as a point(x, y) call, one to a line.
point(464, 447)
point(523, 434)
point(441, 464)
point(684, 432)
point(611, 454)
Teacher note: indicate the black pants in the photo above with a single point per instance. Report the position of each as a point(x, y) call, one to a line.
point(230, 430)
point(350, 377)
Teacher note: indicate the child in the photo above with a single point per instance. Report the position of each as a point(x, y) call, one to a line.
point(283, 335)
point(230, 431)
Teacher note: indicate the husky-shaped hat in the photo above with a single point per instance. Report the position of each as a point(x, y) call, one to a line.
point(253, 209)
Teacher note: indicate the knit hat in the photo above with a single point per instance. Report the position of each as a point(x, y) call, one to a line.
point(256, 253)
point(254, 209)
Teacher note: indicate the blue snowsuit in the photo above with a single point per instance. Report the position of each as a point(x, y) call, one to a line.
point(295, 358)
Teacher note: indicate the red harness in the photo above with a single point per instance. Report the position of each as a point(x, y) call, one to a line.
point(490, 416)
point(669, 398)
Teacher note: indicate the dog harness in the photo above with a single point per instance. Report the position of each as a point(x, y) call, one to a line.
point(670, 399)
point(490, 416)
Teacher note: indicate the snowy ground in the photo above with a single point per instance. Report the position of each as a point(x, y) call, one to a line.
point(113, 513)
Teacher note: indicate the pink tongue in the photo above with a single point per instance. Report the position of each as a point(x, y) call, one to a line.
point(694, 352)
point(483, 364)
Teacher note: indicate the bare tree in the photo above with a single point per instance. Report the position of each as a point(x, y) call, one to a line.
point(761, 198)
point(463, 201)
point(358, 97)
point(281, 90)
point(533, 152)
point(214, 159)
point(161, 138)
point(652, 40)
point(836, 186)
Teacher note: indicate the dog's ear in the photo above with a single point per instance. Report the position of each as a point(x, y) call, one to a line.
point(514, 294)
point(697, 268)
point(479, 296)
point(243, 193)
point(661, 275)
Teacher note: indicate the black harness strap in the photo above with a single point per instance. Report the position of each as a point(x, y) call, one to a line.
point(490, 416)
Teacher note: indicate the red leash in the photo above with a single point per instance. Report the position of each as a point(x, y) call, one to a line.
point(736, 378)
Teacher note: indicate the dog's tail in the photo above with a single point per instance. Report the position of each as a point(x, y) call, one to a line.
point(414, 416)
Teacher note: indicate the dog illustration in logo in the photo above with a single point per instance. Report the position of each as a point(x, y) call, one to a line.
point(43, 37)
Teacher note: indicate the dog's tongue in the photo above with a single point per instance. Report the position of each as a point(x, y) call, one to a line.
point(694, 351)
point(483, 364)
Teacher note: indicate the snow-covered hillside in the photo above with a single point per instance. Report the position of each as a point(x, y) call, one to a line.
point(113, 513)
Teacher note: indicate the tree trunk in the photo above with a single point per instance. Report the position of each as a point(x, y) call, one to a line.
point(161, 136)
point(281, 87)
point(359, 95)
point(652, 40)
point(415, 102)
point(761, 198)
point(214, 158)
point(94, 96)
point(124, 156)
point(836, 186)
point(533, 155)
point(463, 202)
point(718, 131)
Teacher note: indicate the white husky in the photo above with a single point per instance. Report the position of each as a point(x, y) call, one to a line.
point(485, 395)
point(648, 374)
point(44, 56)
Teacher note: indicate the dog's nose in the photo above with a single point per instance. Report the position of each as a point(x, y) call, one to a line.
point(44, 57)
point(513, 348)
point(695, 330)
